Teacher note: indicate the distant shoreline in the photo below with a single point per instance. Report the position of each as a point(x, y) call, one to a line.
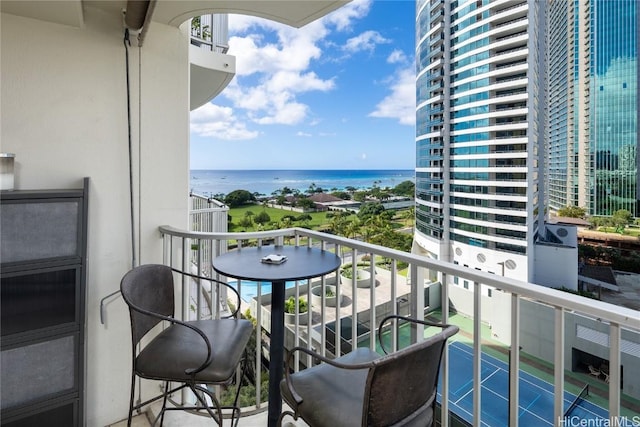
point(267, 181)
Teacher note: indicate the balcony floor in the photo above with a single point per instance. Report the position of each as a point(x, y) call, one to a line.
point(181, 419)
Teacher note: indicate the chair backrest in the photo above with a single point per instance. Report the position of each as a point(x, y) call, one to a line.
point(150, 288)
point(403, 384)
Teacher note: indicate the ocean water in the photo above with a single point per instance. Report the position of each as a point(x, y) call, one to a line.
point(210, 182)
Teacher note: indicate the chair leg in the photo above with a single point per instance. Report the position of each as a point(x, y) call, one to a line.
point(131, 399)
point(237, 396)
point(196, 388)
point(283, 414)
point(164, 402)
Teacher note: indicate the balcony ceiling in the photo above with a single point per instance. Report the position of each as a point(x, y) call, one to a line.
point(174, 12)
point(210, 74)
point(65, 12)
point(293, 13)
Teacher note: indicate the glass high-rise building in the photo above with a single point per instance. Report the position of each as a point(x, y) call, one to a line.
point(480, 115)
point(593, 101)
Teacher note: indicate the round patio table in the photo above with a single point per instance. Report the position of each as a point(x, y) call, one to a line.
point(301, 263)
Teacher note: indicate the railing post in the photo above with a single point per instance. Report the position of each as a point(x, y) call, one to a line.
point(258, 345)
point(477, 352)
point(394, 304)
point(558, 406)
point(614, 371)
point(354, 307)
point(417, 301)
point(514, 361)
point(372, 297)
point(444, 403)
point(185, 395)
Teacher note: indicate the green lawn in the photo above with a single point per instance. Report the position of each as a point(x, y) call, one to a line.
point(318, 219)
point(635, 232)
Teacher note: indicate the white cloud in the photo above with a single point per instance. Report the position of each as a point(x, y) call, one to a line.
point(304, 134)
point(397, 56)
point(401, 103)
point(343, 17)
point(287, 113)
point(219, 122)
point(366, 41)
point(273, 67)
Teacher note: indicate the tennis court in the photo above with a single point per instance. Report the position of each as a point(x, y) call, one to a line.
point(536, 395)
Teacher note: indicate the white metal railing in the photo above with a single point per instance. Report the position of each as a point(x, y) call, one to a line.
point(211, 32)
point(205, 215)
point(376, 301)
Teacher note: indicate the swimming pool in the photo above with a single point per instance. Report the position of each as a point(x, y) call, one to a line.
point(249, 289)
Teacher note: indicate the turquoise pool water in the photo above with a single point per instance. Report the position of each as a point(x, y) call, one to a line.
point(249, 289)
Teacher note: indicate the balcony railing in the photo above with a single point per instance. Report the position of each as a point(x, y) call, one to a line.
point(210, 32)
point(386, 291)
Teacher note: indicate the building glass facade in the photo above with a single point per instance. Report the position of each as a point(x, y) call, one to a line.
point(479, 81)
point(593, 160)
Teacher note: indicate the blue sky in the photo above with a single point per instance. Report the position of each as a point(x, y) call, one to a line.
point(338, 93)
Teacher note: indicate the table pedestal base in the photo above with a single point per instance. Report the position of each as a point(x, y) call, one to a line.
point(276, 351)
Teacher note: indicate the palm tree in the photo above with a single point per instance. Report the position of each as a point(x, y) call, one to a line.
point(409, 216)
point(312, 188)
point(353, 228)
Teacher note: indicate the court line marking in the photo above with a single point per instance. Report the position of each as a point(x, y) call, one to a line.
point(537, 384)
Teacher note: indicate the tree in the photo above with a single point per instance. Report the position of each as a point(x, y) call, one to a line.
point(245, 222)
point(338, 225)
point(370, 209)
point(238, 198)
point(359, 196)
point(353, 228)
point(405, 188)
point(596, 222)
point(312, 188)
point(621, 218)
point(572, 212)
point(409, 215)
point(262, 218)
point(306, 203)
point(341, 194)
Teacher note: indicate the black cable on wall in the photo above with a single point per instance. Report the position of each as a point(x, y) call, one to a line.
point(127, 43)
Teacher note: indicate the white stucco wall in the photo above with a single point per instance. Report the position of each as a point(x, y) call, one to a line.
point(64, 115)
point(475, 257)
point(556, 266)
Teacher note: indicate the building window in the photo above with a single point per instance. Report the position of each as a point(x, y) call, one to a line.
point(466, 284)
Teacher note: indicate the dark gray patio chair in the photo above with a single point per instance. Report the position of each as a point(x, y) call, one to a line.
point(193, 353)
point(364, 388)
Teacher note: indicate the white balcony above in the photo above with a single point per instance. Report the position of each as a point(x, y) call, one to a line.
point(211, 72)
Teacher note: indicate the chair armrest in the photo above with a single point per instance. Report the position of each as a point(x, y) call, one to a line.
point(408, 319)
point(209, 279)
point(332, 362)
point(188, 371)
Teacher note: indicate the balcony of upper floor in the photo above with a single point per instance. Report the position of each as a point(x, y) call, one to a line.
point(211, 68)
point(530, 347)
